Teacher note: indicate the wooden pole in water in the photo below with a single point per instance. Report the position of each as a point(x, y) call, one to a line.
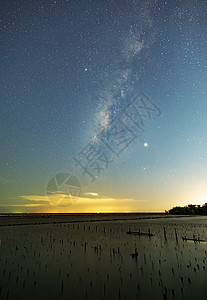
point(176, 236)
point(165, 234)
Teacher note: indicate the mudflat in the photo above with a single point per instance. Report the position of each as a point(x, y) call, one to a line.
point(91, 256)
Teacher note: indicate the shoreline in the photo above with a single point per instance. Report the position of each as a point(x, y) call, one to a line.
point(24, 220)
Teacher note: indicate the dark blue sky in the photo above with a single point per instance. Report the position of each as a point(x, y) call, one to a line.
point(69, 68)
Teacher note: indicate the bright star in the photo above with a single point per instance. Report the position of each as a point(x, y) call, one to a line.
point(145, 145)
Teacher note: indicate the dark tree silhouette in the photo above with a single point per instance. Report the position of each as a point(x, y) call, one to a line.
point(190, 209)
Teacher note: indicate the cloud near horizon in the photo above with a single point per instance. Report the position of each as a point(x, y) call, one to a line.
point(63, 203)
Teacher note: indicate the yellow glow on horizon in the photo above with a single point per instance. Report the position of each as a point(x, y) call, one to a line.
point(81, 204)
point(22, 205)
point(149, 200)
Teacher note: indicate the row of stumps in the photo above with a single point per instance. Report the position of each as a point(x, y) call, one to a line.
point(149, 234)
point(194, 239)
point(139, 233)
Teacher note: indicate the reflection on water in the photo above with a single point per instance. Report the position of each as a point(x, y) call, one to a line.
point(95, 260)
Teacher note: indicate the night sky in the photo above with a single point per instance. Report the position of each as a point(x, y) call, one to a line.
point(103, 105)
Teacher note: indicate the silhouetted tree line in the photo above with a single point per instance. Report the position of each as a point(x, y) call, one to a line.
point(189, 210)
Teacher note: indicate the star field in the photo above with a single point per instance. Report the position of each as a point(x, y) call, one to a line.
point(68, 71)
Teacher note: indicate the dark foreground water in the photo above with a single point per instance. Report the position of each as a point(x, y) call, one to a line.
point(92, 257)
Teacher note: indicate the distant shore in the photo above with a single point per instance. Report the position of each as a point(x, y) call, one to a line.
point(56, 218)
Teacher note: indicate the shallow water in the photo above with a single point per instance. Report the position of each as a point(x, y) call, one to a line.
point(93, 260)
